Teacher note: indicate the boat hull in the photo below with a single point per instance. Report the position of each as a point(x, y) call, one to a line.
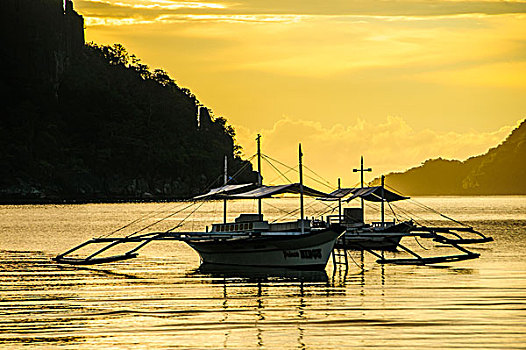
point(309, 251)
point(371, 241)
point(386, 239)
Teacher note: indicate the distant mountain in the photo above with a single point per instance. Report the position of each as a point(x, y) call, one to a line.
point(502, 170)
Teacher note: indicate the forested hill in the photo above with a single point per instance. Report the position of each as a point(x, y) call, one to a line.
point(502, 170)
point(89, 122)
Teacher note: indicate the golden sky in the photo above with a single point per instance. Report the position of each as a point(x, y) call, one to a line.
point(398, 81)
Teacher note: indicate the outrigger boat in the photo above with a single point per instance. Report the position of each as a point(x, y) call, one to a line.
point(378, 235)
point(248, 241)
point(381, 236)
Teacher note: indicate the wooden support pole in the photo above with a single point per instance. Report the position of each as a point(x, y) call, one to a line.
point(361, 170)
point(300, 156)
point(260, 179)
point(225, 181)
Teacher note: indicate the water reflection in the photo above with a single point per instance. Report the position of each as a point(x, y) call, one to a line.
point(262, 287)
point(100, 271)
point(259, 274)
point(33, 305)
point(164, 299)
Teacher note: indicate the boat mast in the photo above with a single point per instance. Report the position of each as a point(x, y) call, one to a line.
point(300, 156)
point(225, 180)
point(339, 202)
point(383, 200)
point(361, 170)
point(260, 180)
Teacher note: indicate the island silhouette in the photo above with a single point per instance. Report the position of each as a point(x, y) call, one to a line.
point(500, 171)
point(88, 122)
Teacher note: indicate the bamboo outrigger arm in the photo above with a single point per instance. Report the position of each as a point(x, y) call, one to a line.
point(92, 259)
point(432, 232)
point(142, 240)
point(420, 260)
point(429, 260)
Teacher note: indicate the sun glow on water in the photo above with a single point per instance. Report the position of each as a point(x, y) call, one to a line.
point(162, 299)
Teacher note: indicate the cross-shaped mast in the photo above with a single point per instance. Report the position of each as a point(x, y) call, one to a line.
point(361, 170)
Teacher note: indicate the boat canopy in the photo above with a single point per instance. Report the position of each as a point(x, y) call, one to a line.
point(372, 194)
point(269, 191)
point(221, 192)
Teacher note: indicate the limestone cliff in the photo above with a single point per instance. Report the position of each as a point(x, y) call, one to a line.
point(90, 122)
point(39, 38)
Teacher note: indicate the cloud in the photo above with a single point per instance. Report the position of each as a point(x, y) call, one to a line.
point(391, 145)
point(453, 66)
point(140, 10)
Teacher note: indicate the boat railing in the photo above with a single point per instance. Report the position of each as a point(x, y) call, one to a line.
point(319, 223)
point(334, 219)
point(377, 224)
point(344, 220)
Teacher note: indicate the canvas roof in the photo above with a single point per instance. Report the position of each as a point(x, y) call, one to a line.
point(221, 192)
point(269, 191)
point(372, 194)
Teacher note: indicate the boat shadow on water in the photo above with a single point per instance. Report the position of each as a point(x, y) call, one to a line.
point(259, 274)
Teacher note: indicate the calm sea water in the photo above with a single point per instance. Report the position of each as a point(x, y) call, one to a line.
point(163, 300)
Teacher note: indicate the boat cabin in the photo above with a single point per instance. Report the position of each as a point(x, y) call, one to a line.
point(353, 218)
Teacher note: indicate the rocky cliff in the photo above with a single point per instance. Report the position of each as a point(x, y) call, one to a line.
point(39, 39)
point(88, 122)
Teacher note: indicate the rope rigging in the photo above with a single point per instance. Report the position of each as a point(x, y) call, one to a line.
point(155, 212)
point(294, 169)
point(221, 235)
point(394, 214)
point(327, 183)
point(183, 220)
point(423, 206)
point(276, 169)
point(420, 244)
point(411, 216)
point(241, 169)
point(161, 220)
point(142, 218)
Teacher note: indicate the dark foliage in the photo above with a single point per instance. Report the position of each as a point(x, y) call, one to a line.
point(114, 129)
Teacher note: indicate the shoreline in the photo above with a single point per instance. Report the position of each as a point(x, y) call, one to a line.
point(59, 201)
point(116, 200)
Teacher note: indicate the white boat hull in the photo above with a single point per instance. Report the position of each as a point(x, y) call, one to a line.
point(372, 241)
point(387, 238)
point(308, 251)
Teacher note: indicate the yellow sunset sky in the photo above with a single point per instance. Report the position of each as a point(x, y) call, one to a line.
point(395, 81)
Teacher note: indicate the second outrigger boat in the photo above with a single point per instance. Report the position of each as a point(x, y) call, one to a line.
point(380, 236)
point(248, 241)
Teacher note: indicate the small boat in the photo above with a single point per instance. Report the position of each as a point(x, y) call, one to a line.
point(380, 235)
point(266, 245)
point(252, 241)
point(387, 235)
point(249, 240)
